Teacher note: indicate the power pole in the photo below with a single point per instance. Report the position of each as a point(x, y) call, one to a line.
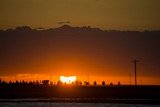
point(135, 65)
point(130, 78)
point(50, 77)
point(88, 78)
point(15, 77)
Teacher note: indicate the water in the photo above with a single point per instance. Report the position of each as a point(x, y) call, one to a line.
point(51, 104)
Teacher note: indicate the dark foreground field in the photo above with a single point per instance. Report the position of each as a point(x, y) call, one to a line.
point(111, 94)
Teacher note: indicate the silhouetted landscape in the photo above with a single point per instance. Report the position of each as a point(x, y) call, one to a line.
point(76, 92)
point(23, 46)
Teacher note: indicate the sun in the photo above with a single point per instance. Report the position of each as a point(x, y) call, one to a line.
point(68, 79)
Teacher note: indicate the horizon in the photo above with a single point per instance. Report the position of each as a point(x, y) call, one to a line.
point(125, 80)
point(83, 26)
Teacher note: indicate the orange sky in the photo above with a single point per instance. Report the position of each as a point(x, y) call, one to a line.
point(125, 80)
point(102, 57)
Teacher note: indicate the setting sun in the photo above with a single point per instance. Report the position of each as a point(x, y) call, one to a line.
point(68, 80)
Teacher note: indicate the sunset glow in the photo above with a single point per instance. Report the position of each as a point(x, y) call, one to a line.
point(88, 40)
point(68, 80)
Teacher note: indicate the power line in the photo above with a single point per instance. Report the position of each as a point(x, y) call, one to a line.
point(135, 65)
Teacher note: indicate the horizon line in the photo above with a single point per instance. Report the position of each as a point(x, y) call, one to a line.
point(70, 26)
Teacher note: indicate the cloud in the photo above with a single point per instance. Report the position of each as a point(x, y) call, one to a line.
point(63, 22)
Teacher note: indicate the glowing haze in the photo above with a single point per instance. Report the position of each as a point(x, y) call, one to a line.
point(88, 53)
point(68, 79)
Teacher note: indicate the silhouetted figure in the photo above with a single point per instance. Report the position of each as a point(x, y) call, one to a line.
point(103, 83)
point(94, 83)
point(0, 81)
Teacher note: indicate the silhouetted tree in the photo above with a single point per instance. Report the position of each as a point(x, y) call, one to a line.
point(23, 82)
point(51, 83)
point(119, 83)
point(37, 82)
point(111, 83)
point(23, 28)
point(78, 83)
point(59, 83)
point(103, 83)
point(86, 83)
point(30, 82)
point(45, 82)
point(94, 83)
point(3, 82)
point(17, 82)
point(10, 82)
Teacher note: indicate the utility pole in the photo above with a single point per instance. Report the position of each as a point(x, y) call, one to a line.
point(15, 77)
point(135, 65)
point(50, 77)
point(88, 78)
point(130, 78)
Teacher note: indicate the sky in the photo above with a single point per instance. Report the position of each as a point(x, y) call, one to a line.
point(105, 14)
point(27, 54)
point(74, 55)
